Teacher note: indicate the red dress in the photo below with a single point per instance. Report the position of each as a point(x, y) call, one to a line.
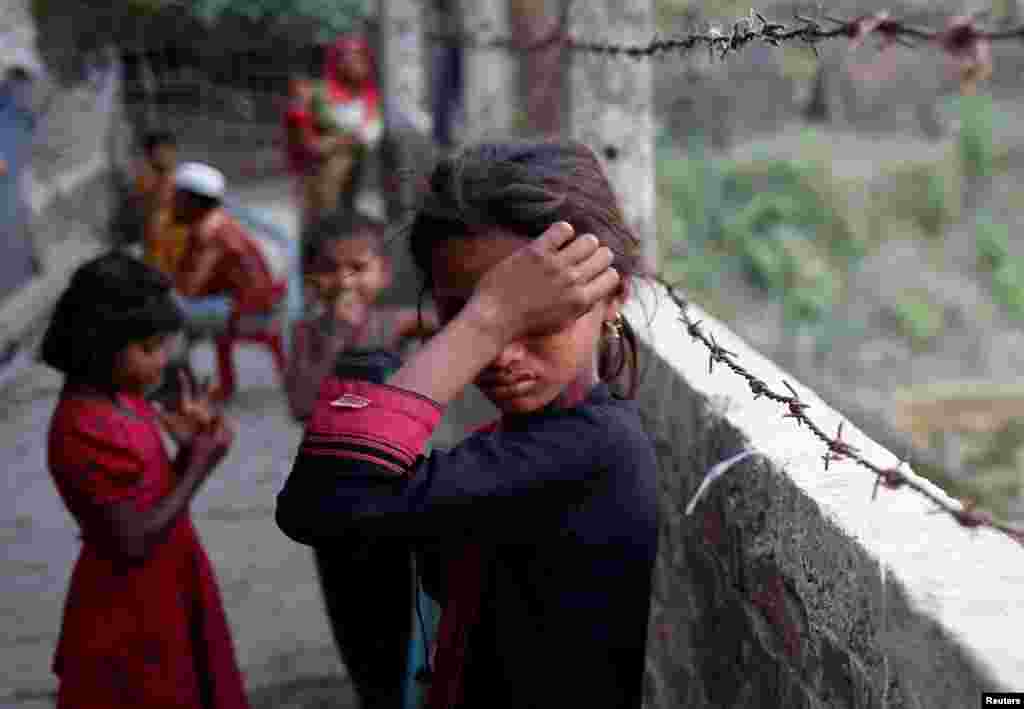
point(145, 634)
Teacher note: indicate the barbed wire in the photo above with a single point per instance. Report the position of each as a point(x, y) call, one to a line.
point(967, 515)
point(961, 32)
point(962, 40)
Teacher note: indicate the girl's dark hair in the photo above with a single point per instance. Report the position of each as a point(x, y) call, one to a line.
point(111, 301)
point(155, 139)
point(524, 188)
point(335, 227)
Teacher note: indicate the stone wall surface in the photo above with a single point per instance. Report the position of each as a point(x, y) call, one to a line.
point(81, 148)
point(788, 586)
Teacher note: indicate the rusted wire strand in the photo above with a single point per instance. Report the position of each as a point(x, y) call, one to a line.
point(959, 37)
point(892, 477)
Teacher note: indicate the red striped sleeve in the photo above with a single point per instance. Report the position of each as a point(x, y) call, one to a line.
point(376, 423)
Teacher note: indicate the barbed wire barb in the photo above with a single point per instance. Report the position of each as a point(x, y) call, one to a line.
point(965, 512)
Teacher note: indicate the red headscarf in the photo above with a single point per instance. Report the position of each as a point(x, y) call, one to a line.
point(338, 89)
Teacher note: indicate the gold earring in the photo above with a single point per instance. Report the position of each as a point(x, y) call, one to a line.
point(613, 328)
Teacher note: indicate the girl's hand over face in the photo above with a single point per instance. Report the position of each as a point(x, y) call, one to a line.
point(549, 282)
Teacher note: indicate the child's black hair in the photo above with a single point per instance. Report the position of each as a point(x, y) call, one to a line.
point(524, 187)
point(335, 227)
point(111, 302)
point(154, 139)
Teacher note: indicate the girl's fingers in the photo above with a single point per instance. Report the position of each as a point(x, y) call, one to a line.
point(185, 389)
point(594, 265)
point(601, 287)
point(579, 249)
point(555, 237)
point(207, 387)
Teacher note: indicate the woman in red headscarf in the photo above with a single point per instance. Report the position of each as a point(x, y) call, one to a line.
point(347, 112)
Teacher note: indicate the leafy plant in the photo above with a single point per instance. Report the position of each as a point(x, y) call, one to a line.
point(766, 219)
point(922, 193)
point(976, 144)
point(980, 489)
point(918, 318)
point(992, 242)
point(1008, 287)
point(1000, 448)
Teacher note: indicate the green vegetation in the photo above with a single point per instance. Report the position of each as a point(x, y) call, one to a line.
point(976, 146)
point(992, 242)
point(772, 221)
point(791, 228)
point(991, 490)
point(994, 459)
point(918, 318)
point(924, 196)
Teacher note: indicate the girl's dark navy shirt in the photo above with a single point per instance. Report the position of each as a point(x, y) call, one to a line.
point(563, 502)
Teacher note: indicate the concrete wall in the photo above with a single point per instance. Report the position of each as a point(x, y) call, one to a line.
point(81, 144)
point(789, 587)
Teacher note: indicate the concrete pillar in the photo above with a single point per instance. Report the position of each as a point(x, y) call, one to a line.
point(490, 87)
point(404, 80)
point(540, 72)
point(611, 107)
point(403, 60)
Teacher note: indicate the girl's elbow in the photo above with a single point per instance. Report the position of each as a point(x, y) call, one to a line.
point(302, 521)
point(292, 522)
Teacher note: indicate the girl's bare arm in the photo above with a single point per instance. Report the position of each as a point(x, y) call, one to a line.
point(411, 325)
point(136, 532)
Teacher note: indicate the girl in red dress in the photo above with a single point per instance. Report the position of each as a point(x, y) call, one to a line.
point(143, 622)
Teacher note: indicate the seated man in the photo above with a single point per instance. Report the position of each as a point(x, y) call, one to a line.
point(225, 273)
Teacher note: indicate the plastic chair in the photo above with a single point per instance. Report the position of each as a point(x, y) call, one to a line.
point(269, 330)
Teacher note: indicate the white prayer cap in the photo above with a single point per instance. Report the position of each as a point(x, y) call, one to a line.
point(201, 179)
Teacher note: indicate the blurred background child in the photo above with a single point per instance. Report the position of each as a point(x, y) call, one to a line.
point(345, 270)
point(164, 237)
point(348, 334)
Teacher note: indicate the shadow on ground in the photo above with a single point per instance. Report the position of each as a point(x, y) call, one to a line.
point(306, 693)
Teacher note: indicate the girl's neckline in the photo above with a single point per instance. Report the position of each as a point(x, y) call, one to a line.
point(598, 394)
point(87, 393)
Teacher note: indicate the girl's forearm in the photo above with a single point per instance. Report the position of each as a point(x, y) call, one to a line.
point(452, 359)
point(302, 384)
point(137, 532)
point(302, 389)
point(168, 509)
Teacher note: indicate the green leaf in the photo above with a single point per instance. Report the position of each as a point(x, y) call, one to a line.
point(992, 242)
point(919, 318)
